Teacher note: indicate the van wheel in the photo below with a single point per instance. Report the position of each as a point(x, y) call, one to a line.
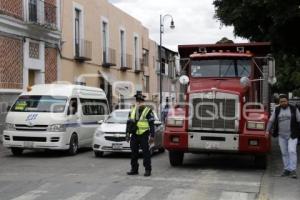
point(176, 158)
point(17, 151)
point(73, 149)
point(99, 154)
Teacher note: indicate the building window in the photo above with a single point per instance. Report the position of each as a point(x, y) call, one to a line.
point(33, 17)
point(105, 41)
point(163, 67)
point(34, 50)
point(135, 54)
point(122, 41)
point(146, 83)
point(145, 57)
point(77, 32)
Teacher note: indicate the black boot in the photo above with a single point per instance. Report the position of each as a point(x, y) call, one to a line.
point(147, 173)
point(133, 172)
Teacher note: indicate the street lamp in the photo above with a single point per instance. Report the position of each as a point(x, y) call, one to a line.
point(161, 31)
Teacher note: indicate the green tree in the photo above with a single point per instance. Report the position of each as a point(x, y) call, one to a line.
point(263, 20)
point(276, 21)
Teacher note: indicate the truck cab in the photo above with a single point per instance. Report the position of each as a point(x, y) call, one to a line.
point(225, 109)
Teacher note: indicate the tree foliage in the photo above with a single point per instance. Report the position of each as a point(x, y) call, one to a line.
point(263, 20)
point(276, 21)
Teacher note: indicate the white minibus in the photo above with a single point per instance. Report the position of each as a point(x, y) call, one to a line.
point(55, 117)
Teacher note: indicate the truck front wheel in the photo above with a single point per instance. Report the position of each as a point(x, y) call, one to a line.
point(261, 161)
point(176, 158)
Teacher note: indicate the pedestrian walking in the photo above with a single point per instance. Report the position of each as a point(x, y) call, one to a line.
point(285, 122)
point(140, 133)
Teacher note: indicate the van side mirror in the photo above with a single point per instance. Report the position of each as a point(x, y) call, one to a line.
point(8, 108)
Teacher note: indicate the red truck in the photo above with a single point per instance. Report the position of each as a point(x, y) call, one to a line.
point(225, 107)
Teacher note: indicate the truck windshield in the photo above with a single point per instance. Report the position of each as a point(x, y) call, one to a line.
point(52, 104)
point(220, 68)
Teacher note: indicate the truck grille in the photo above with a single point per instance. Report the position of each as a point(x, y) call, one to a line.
point(214, 114)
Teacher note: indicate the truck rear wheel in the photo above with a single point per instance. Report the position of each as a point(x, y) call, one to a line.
point(16, 151)
point(261, 161)
point(176, 158)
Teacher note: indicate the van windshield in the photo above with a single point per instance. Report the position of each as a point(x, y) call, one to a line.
point(221, 68)
point(54, 104)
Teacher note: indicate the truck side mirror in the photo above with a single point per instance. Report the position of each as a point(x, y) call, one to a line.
point(244, 81)
point(8, 108)
point(271, 68)
point(184, 80)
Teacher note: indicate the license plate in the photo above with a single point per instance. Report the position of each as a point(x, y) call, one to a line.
point(117, 146)
point(212, 145)
point(28, 144)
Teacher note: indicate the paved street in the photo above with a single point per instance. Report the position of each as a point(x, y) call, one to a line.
point(48, 175)
point(52, 175)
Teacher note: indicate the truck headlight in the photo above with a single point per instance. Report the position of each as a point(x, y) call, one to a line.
point(256, 125)
point(99, 133)
point(57, 128)
point(175, 121)
point(10, 127)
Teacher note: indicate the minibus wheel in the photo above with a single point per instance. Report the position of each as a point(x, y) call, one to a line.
point(73, 149)
point(17, 151)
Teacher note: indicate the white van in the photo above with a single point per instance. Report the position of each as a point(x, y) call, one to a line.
point(56, 117)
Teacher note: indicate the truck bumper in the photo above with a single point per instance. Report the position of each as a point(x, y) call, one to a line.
point(177, 141)
point(254, 143)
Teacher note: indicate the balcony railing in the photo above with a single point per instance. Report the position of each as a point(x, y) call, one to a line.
point(83, 50)
point(138, 65)
point(128, 64)
point(109, 58)
point(42, 14)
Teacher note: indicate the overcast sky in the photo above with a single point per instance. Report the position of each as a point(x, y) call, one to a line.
point(194, 20)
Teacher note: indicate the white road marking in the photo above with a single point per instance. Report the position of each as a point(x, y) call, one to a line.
point(182, 194)
point(134, 193)
point(200, 181)
point(233, 196)
point(33, 194)
point(81, 196)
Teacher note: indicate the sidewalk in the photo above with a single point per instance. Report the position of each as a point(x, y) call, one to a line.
point(275, 187)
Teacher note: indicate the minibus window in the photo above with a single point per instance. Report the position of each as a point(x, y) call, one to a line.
point(94, 106)
point(73, 107)
point(35, 103)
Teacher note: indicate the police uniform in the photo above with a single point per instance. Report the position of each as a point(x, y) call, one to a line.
point(144, 119)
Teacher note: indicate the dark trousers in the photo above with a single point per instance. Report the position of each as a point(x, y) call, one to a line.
point(137, 142)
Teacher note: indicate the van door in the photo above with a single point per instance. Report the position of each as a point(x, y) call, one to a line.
point(73, 123)
point(91, 113)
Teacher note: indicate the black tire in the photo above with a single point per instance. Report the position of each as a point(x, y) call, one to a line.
point(261, 161)
point(161, 150)
point(99, 154)
point(176, 158)
point(17, 151)
point(73, 149)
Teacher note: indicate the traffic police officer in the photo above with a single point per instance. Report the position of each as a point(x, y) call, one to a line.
point(140, 126)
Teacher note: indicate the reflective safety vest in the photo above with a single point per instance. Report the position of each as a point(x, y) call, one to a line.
point(142, 123)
